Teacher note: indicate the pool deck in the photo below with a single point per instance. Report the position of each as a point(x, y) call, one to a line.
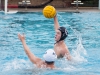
point(85, 9)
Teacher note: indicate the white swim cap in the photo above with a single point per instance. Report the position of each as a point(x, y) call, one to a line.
point(50, 55)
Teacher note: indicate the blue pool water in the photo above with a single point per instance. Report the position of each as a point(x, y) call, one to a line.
point(83, 42)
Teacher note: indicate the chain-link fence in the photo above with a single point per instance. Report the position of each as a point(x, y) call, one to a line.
point(90, 3)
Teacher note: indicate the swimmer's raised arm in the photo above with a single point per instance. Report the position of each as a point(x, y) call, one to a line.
point(31, 56)
point(56, 23)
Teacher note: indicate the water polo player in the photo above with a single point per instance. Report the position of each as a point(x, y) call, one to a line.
point(60, 47)
point(49, 56)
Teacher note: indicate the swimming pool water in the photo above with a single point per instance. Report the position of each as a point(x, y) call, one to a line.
point(83, 42)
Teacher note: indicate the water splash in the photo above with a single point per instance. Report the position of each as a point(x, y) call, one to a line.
point(80, 52)
point(16, 64)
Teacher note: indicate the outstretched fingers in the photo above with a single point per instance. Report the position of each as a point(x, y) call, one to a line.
point(21, 37)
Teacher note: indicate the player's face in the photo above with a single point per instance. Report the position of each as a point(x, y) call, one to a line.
point(57, 35)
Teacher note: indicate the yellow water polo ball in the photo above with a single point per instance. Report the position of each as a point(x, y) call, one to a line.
point(49, 11)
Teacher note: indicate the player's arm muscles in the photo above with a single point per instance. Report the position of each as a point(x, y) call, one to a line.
point(56, 23)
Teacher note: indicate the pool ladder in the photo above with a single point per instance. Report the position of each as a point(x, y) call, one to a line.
point(77, 4)
point(25, 3)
